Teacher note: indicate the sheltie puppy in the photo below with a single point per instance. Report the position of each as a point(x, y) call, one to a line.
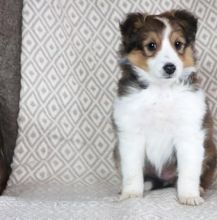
point(160, 114)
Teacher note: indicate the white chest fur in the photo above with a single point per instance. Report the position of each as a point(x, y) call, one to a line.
point(161, 114)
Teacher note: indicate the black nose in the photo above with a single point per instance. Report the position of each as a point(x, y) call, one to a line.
point(169, 68)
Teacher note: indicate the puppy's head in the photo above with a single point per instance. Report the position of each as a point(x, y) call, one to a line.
point(162, 45)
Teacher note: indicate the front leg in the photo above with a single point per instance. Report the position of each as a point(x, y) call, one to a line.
point(132, 153)
point(190, 154)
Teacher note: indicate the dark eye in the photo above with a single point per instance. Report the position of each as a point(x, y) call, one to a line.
point(178, 45)
point(152, 46)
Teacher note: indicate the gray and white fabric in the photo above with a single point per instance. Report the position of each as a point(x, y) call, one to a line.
point(63, 166)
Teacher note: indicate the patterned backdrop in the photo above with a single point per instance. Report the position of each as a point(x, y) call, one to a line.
point(69, 77)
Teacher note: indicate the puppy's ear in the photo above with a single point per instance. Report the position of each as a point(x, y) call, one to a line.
point(132, 23)
point(130, 31)
point(188, 22)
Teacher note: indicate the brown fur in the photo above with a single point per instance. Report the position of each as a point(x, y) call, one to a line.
point(188, 57)
point(209, 163)
point(138, 59)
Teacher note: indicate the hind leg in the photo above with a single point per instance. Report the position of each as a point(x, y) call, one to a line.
point(209, 164)
point(208, 173)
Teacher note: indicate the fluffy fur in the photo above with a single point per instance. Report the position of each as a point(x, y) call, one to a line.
point(160, 114)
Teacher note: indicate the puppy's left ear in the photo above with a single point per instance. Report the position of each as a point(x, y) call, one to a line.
point(133, 23)
point(130, 30)
point(188, 22)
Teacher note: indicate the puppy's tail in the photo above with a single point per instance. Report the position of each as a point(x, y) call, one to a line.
point(153, 182)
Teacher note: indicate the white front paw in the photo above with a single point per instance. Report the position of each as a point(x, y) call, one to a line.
point(189, 192)
point(128, 195)
point(191, 200)
point(132, 188)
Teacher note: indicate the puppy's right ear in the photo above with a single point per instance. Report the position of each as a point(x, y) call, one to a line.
point(130, 31)
point(132, 23)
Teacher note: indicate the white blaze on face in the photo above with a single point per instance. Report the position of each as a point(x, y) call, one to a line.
point(165, 55)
